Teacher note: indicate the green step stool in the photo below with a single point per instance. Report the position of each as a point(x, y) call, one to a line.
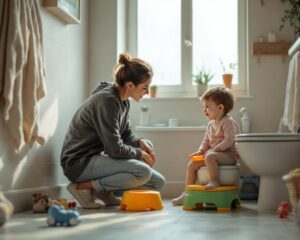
point(223, 197)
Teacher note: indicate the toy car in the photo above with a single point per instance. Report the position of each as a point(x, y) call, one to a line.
point(57, 215)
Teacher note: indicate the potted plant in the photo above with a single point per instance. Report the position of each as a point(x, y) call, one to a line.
point(202, 78)
point(227, 73)
point(292, 15)
point(153, 91)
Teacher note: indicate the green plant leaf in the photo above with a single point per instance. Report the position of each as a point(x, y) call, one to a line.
point(203, 76)
point(291, 16)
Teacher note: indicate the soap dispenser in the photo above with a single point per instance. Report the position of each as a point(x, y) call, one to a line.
point(245, 121)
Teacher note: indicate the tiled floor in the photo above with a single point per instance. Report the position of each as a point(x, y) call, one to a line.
point(170, 223)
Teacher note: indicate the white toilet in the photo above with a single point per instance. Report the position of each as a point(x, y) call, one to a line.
point(229, 175)
point(270, 155)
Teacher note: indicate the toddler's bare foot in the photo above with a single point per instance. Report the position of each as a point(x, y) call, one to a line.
point(211, 185)
point(179, 200)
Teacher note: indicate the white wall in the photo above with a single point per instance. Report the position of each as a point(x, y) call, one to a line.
point(103, 40)
point(66, 58)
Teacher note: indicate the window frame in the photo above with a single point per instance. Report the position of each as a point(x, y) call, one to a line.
point(187, 89)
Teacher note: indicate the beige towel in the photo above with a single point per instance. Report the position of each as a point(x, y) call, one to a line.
point(291, 116)
point(23, 76)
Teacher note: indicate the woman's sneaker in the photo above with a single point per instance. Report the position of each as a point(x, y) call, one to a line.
point(108, 198)
point(84, 197)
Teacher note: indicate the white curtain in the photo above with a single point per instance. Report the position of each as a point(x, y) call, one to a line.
point(22, 69)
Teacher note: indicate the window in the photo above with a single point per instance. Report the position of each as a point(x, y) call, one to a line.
point(155, 33)
point(178, 37)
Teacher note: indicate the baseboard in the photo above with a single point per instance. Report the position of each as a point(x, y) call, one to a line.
point(172, 189)
point(22, 198)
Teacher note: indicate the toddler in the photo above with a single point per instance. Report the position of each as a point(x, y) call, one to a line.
point(218, 146)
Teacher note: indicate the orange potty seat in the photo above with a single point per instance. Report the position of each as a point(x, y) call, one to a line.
point(197, 158)
point(141, 200)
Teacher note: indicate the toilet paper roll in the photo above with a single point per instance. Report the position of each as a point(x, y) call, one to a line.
point(271, 37)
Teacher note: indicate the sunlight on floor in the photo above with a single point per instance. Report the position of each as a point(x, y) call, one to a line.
point(171, 222)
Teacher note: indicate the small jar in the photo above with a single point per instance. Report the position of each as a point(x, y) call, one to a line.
point(144, 117)
point(271, 37)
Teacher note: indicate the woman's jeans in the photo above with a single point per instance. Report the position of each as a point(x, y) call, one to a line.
point(118, 175)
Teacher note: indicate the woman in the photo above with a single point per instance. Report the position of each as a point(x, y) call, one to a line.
point(101, 154)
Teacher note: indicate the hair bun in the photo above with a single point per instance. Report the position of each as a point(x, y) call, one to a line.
point(124, 58)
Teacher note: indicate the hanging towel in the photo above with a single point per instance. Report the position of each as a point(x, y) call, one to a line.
point(22, 71)
point(291, 116)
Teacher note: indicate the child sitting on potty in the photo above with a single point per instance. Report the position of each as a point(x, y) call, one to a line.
point(218, 146)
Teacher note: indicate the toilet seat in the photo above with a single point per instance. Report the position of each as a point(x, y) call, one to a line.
point(228, 175)
point(267, 137)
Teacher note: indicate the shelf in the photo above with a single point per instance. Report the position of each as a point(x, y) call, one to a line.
point(270, 48)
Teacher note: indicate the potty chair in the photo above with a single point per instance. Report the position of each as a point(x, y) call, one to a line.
point(228, 175)
point(141, 200)
point(224, 197)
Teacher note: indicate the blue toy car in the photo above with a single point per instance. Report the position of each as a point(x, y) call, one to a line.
point(59, 216)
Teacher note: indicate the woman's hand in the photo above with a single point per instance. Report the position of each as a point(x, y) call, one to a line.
point(147, 158)
point(145, 147)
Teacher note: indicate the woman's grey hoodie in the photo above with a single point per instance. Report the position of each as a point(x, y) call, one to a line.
point(101, 124)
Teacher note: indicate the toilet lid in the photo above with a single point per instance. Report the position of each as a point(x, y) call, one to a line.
point(267, 137)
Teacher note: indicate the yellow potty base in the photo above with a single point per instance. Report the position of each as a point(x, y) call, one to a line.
point(224, 197)
point(141, 200)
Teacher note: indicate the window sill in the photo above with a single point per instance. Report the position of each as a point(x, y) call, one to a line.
point(162, 98)
point(170, 129)
point(238, 94)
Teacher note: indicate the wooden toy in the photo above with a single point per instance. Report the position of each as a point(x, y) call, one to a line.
point(61, 202)
point(41, 202)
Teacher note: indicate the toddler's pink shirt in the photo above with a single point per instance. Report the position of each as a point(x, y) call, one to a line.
point(219, 135)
